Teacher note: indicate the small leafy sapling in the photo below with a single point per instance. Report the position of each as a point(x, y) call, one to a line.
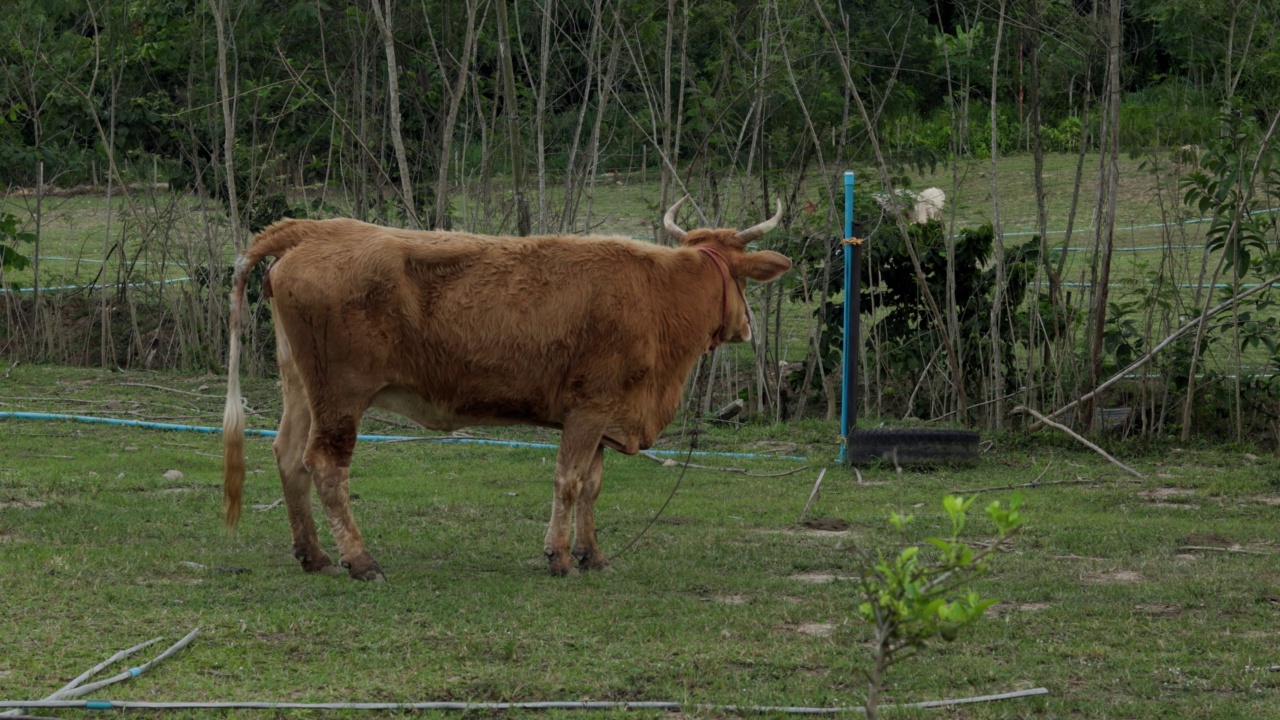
point(10, 240)
point(906, 597)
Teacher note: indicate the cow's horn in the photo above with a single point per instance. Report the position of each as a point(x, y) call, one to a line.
point(669, 220)
point(751, 233)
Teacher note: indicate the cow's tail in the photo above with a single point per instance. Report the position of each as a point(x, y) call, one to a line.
point(274, 241)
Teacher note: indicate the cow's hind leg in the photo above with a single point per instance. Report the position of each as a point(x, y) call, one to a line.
point(289, 446)
point(579, 445)
point(585, 547)
point(328, 455)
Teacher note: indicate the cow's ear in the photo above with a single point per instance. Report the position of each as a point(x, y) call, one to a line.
point(765, 265)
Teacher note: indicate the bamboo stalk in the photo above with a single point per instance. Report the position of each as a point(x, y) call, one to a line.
point(812, 495)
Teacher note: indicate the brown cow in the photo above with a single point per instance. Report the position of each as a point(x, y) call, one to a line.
point(591, 335)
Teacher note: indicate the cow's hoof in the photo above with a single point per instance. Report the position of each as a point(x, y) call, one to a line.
point(317, 562)
point(559, 564)
point(592, 560)
point(364, 568)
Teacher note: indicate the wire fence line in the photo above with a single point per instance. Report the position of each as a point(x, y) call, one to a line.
point(98, 286)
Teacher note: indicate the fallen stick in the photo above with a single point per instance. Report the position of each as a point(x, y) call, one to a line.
point(1032, 484)
point(1022, 409)
point(1077, 481)
point(169, 389)
point(1224, 549)
point(1037, 483)
point(812, 496)
point(668, 462)
point(62, 691)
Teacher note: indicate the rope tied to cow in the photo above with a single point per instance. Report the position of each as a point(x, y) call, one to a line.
point(722, 265)
point(684, 467)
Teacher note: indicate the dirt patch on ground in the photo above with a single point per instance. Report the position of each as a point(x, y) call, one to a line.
point(827, 524)
point(1008, 607)
point(729, 599)
point(810, 629)
point(1115, 577)
point(1273, 500)
point(776, 447)
point(806, 532)
point(818, 578)
point(1166, 493)
point(1208, 539)
point(1159, 610)
point(1171, 497)
point(21, 504)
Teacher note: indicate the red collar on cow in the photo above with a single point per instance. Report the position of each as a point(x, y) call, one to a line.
point(722, 264)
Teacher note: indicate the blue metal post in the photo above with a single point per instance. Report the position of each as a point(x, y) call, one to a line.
point(846, 373)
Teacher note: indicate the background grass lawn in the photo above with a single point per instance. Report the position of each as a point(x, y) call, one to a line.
point(726, 600)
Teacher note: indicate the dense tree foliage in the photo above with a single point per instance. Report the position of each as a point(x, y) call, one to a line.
point(710, 85)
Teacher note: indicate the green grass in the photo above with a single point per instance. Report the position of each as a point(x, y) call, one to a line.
point(1098, 603)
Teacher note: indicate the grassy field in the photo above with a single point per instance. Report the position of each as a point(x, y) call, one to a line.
point(728, 599)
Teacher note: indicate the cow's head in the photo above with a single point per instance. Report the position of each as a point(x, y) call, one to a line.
point(728, 249)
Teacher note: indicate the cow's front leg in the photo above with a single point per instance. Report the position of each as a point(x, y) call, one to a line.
point(329, 457)
point(585, 547)
point(579, 444)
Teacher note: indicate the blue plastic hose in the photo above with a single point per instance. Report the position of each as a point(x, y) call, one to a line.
point(369, 438)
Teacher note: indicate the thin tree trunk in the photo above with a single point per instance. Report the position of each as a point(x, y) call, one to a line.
point(1036, 332)
point(446, 132)
point(219, 8)
point(107, 355)
point(1107, 232)
point(572, 181)
point(593, 146)
point(674, 153)
point(670, 160)
point(513, 120)
point(36, 330)
point(383, 16)
point(544, 62)
point(995, 393)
